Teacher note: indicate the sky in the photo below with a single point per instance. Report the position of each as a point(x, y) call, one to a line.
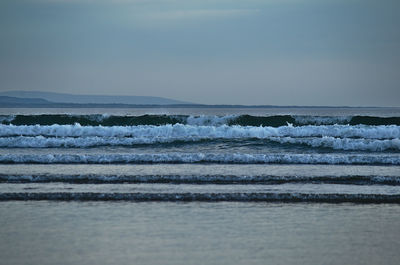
point(253, 52)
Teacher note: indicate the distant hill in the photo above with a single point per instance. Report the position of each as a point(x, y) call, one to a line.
point(87, 99)
point(4, 100)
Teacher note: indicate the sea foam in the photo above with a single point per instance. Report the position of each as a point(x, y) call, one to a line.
point(224, 131)
point(178, 158)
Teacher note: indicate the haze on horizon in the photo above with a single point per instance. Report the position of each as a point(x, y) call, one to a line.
point(272, 52)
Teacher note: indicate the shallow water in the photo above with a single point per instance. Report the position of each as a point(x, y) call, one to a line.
point(198, 233)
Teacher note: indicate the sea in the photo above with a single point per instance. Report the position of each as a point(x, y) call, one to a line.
point(200, 185)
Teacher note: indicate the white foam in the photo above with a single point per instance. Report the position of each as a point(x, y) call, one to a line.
point(81, 142)
point(343, 144)
point(6, 118)
point(319, 120)
point(235, 158)
point(205, 120)
point(181, 131)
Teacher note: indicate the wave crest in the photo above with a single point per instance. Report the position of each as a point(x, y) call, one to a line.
point(224, 131)
point(243, 120)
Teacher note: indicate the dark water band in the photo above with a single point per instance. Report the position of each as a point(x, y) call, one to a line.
point(204, 197)
point(201, 179)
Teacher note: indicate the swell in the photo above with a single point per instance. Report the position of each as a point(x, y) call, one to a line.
point(85, 142)
point(243, 120)
point(198, 158)
point(205, 197)
point(91, 120)
point(201, 179)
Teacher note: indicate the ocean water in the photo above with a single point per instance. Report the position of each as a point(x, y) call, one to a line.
point(195, 185)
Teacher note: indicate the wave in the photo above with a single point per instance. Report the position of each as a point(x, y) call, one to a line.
point(81, 142)
point(184, 158)
point(243, 120)
point(202, 179)
point(342, 144)
point(84, 142)
point(206, 197)
point(224, 131)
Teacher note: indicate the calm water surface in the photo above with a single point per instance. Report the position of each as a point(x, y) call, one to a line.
point(198, 233)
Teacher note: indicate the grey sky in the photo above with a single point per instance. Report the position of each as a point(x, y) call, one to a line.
point(283, 52)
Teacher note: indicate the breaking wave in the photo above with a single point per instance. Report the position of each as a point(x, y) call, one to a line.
point(180, 158)
point(339, 137)
point(342, 144)
point(83, 142)
point(224, 131)
point(243, 120)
